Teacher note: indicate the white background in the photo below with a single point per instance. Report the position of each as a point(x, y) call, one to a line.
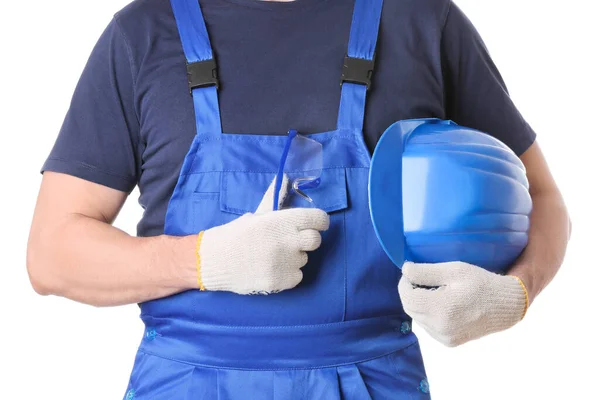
point(547, 51)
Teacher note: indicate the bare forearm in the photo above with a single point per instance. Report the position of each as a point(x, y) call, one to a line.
point(549, 233)
point(95, 263)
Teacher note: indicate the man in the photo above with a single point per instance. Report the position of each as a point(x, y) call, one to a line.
point(204, 147)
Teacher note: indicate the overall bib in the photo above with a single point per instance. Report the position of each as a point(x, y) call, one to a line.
point(340, 334)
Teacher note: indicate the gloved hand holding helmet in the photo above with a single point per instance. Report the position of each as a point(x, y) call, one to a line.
point(457, 302)
point(262, 252)
point(453, 213)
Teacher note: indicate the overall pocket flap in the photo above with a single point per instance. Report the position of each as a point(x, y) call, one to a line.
point(242, 192)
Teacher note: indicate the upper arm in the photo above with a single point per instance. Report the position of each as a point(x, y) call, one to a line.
point(99, 140)
point(63, 195)
point(538, 172)
point(63, 199)
point(541, 182)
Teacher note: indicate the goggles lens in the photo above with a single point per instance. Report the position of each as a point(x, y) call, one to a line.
point(302, 161)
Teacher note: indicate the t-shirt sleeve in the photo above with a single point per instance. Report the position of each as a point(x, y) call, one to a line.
point(476, 95)
point(98, 140)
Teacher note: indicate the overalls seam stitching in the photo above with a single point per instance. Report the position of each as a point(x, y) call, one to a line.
point(400, 316)
point(345, 266)
point(191, 165)
point(268, 138)
point(395, 365)
point(234, 210)
point(405, 346)
point(265, 172)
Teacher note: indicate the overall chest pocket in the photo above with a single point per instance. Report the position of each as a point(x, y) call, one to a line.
point(242, 192)
point(221, 197)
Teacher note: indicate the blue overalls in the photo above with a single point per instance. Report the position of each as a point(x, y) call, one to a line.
point(342, 333)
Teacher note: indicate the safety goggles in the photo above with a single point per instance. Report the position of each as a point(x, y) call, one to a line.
point(302, 162)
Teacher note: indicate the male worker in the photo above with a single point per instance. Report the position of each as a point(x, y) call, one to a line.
point(191, 101)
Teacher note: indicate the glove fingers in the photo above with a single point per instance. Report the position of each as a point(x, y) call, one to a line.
point(404, 288)
point(446, 340)
point(266, 203)
point(293, 279)
point(422, 321)
point(308, 218)
point(418, 300)
point(429, 274)
point(303, 259)
point(309, 240)
point(431, 332)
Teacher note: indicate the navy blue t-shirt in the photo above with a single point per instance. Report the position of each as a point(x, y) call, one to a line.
point(131, 120)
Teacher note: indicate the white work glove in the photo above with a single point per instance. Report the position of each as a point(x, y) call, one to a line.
point(465, 303)
point(263, 252)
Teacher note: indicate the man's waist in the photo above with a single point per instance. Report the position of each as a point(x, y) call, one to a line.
point(275, 347)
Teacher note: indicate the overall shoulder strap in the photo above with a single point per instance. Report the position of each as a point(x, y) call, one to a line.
point(359, 63)
point(201, 65)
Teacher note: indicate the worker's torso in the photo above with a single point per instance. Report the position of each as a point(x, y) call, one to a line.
point(314, 338)
point(225, 174)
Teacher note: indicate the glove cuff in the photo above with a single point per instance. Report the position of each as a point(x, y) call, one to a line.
point(198, 261)
point(213, 273)
point(526, 295)
point(510, 303)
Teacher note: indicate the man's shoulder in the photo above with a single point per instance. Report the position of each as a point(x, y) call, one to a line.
point(139, 11)
point(435, 6)
point(425, 11)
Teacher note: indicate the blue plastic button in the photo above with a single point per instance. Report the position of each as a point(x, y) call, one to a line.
point(424, 386)
point(405, 327)
point(151, 334)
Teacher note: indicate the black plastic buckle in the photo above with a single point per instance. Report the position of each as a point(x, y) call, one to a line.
point(202, 74)
point(358, 70)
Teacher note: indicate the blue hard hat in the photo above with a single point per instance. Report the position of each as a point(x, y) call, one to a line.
point(442, 192)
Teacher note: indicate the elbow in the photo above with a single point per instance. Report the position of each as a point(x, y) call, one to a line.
point(49, 277)
point(39, 286)
point(38, 282)
point(40, 271)
point(566, 214)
